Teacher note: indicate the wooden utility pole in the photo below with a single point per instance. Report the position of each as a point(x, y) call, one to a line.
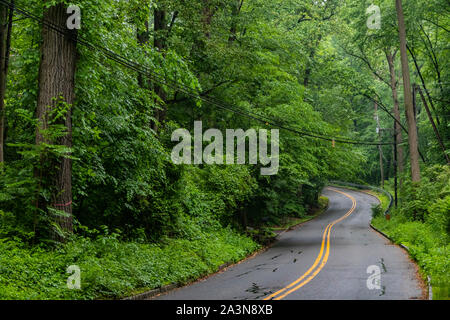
point(395, 165)
point(380, 149)
point(412, 126)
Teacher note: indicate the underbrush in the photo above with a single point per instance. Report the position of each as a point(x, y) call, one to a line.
point(422, 223)
point(424, 246)
point(111, 268)
point(289, 222)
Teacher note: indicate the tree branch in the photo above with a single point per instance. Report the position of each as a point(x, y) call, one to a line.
point(201, 94)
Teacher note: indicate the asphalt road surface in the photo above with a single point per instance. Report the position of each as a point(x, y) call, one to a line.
point(335, 256)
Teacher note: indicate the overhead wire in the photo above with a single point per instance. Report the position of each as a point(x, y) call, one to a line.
point(144, 70)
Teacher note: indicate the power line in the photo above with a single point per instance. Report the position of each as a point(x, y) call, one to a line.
point(144, 70)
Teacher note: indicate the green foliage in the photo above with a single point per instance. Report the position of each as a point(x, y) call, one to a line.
point(422, 224)
point(111, 268)
point(288, 61)
point(24, 179)
point(377, 211)
point(429, 197)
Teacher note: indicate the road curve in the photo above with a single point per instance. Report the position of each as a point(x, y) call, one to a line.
point(325, 258)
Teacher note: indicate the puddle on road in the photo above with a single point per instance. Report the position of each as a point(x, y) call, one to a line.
point(256, 289)
point(383, 291)
point(295, 260)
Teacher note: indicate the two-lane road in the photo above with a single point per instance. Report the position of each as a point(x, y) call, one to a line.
point(325, 258)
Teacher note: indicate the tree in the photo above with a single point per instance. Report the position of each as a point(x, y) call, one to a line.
point(409, 108)
point(56, 87)
point(5, 42)
point(398, 130)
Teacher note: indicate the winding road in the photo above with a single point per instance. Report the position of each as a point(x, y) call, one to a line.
point(335, 256)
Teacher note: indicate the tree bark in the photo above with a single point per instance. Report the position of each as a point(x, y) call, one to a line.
point(412, 126)
point(56, 85)
point(5, 41)
point(160, 28)
point(398, 129)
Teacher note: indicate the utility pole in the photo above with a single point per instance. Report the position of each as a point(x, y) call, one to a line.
point(412, 127)
point(395, 164)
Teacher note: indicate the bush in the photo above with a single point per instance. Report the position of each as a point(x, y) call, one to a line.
point(111, 268)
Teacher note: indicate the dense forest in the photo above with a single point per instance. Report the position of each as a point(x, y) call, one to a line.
point(90, 97)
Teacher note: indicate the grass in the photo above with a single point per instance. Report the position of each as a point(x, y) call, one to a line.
point(425, 244)
point(441, 293)
point(112, 269)
point(425, 247)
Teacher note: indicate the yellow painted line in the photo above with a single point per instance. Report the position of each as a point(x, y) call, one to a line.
point(324, 261)
point(281, 293)
point(307, 272)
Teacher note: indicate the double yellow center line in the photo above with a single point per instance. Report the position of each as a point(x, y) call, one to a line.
point(304, 279)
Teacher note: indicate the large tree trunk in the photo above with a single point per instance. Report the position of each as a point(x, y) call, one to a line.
point(412, 126)
point(5, 39)
point(398, 129)
point(56, 85)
